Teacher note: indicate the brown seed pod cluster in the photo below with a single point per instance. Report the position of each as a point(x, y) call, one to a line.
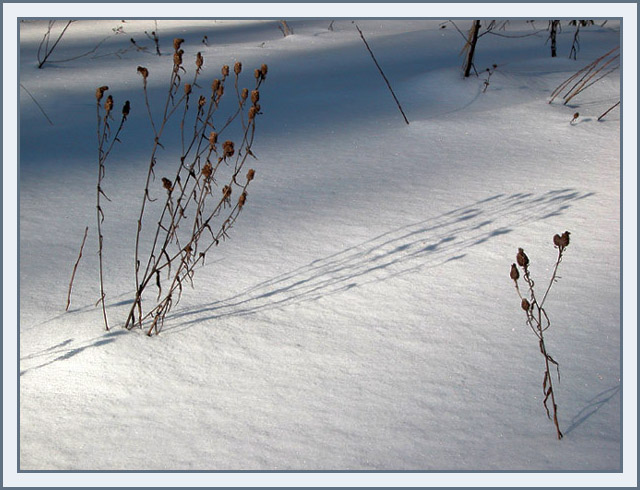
point(522, 259)
point(263, 71)
point(242, 199)
point(250, 175)
point(228, 148)
point(100, 92)
point(225, 71)
point(207, 170)
point(199, 61)
point(255, 96)
point(244, 94)
point(177, 42)
point(213, 139)
point(215, 85)
point(167, 184)
point(144, 72)
point(514, 274)
point(237, 68)
point(253, 110)
point(202, 100)
point(187, 88)
point(108, 105)
point(177, 58)
point(226, 192)
point(561, 241)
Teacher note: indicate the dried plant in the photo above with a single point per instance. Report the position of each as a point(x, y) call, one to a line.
point(538, 320)
point(198, 209)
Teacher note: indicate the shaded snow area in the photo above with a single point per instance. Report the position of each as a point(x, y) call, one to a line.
point(361, 315)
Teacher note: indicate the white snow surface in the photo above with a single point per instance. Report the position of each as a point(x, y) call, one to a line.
point(361, 317)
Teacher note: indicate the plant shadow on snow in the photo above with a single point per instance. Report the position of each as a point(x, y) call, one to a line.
point(593, 406)
point(405, 250)
point(62, 353)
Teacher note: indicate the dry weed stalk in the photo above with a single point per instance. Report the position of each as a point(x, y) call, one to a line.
point(587, 76)
point(75, 267)
point(194, 214)
point(106, 141)
point(538, 320)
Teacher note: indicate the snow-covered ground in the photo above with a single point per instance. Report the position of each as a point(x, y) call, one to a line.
point(361, 317)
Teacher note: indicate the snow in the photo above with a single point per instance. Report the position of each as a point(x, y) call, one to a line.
point(361, 316)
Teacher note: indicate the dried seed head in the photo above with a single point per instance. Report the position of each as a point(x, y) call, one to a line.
point(250, 175)
point(213, 138)
point(237, 68)
point(525, 304)
point(576, 115)
point(226, 192)
point(522, 259)
point(242, 199)
point(228, 148)
point(187, 88)
point(225, 70)
point(125, 109)
point(564, 239)
point(100, 92)
point(207, 170)
point(202, 101)
point(256, 73)
point(199, 60)
point(245, 93)
point(515, 275)
point(220, 91)
point(177, 58)
point(166, 183)
point(252, 113)
point(214, 85)
point(108, 105)
point(143, 71)
point(263, 70)
point(255, 96)
point(177, 42)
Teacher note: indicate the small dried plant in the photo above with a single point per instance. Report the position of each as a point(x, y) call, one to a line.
point(538, 320)
point(198, 208)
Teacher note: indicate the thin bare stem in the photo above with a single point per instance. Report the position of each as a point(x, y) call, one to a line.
point(75, 267)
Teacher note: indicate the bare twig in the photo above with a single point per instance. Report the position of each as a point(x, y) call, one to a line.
point(75, 267)
point(608, 110)
point(38, 105)
point(382, 73)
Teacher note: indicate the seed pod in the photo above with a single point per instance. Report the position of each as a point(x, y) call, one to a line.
point(515, 275)
point(214, 85)
point(564, 239)
point(256, 73)
point(199, 60)
point(220, 91)
point(556, 240)
point(207, 170)
point(226, 192)
point(237, 68)
point(228, 148)
point(108, 105)
point(125, 109)
point(225, 70)
point(202, 101)
point(250, 175)
point(166, 183)
point(252, 113)
point(177, 58)
point(245, 93)
point(213, 138)
point(177, 42)
point(242, 199)
point(143, 71)
point(255, 96)
point(525, 304)
point(263, 70)
point(522, 259)
point(187, 88)
point(100, 92)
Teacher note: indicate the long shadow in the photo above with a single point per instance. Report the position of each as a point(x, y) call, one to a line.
point(592, 407)
point(408, 249)
point(62, 353)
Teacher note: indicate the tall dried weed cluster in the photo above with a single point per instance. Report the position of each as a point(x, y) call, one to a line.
point(201, 200)
point(538, 320)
